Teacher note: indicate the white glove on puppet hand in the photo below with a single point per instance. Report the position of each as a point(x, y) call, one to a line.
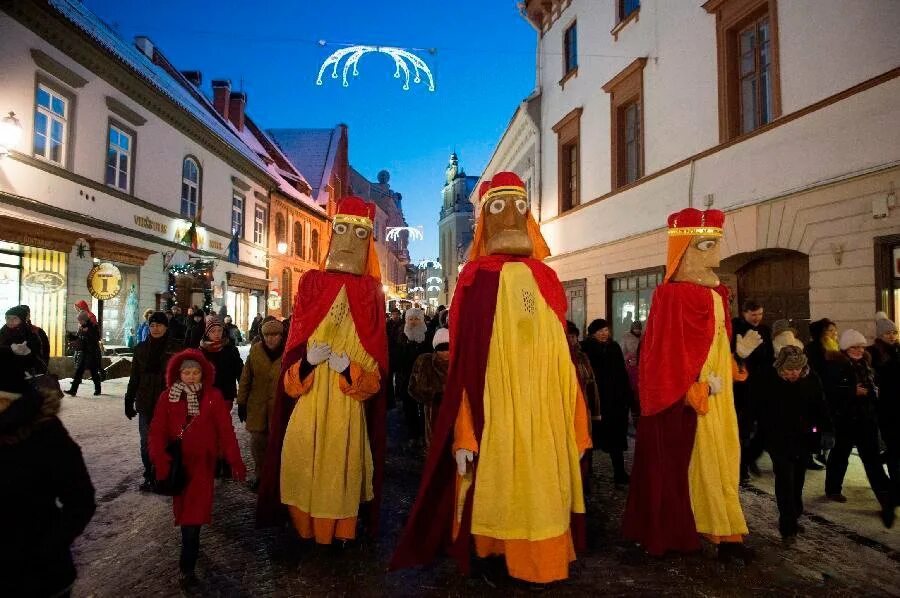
point(339, 363)
point(715, 384)
point(317, 353)
point(463, 458)
point(20, 349)
point(747, 343)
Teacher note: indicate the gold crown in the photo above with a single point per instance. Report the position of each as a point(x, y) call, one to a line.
point(696, 231)
point(350, 219)
point(507, 190)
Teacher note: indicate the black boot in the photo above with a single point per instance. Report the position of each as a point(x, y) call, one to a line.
point(887, 509)
point(73, 390)
point(190, 549)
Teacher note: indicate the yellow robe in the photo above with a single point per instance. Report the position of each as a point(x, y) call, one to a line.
point(535, 426)
point(326, 458)
point(715, 461)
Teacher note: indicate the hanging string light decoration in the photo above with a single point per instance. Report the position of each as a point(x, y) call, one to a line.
point(415, 233)
point(197, 268)
point(405, 62)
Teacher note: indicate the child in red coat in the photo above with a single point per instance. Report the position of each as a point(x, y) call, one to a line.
point(194, 409)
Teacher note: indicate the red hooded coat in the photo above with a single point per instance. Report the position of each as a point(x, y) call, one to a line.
point(208, 435)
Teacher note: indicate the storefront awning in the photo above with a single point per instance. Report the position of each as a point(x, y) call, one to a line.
point(119, 252)
point(34, 234)
point(247, 282)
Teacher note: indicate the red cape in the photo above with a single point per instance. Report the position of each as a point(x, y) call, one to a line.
point(429, 528)
point(316, 292)
point(676, 342)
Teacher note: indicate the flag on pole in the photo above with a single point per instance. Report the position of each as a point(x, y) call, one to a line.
point(191, 237)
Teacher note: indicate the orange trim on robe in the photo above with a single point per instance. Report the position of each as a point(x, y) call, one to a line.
point(698, 397)
point(293, 385)
point(323, 530)
point(364, 384)
point(738, 374)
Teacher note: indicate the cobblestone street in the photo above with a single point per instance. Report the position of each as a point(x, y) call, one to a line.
point(131, 547)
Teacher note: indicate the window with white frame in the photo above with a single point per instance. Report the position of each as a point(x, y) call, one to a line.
point(51, 114)
point(237, 215)
point(119, 158)
point(190, 187)
point(259, 226)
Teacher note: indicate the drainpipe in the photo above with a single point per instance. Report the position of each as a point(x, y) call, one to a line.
point(691, 187)
point(536, 93)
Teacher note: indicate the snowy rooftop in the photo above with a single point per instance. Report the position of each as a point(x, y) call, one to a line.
point(312, 151)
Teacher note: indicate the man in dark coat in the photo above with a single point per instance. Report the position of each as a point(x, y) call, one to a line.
point(177, 325)
point(411, 343)
point(758, 364)
point(19, 343)
point(89, 357)
point(148, 380)
point(42, 336)
point(791, 414)
point(885, 353)
point(610, 434)
point(47, 497)
point(195, 331)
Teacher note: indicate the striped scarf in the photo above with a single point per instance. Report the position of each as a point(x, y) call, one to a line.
point(191, 393)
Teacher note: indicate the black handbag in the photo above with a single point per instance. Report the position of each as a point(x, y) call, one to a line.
point(176, 481)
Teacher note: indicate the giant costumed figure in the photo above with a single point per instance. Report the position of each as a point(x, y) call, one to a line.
point(326, 442)
point(503, 474)
point(684, 482)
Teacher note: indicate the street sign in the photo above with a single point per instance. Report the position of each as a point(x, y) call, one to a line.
point(104, 281)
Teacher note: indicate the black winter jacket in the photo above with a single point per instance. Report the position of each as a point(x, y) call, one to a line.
point(886, 362)
point(148, 372)
point(845, 406)
point(229, 365)
point(792, 415)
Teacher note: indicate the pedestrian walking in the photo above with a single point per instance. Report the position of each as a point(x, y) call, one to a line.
point(885, 353)
point(428, 379)
point(852, 396)
point(255, 334)
point(147, 381)
point(588, 385)
point(823, 342)
point(410, 344)
point(88, 357)
point(610, 433)
point(20, 345)
point(192, 411)
point(196, 330)
point(232, 331)
point(224, 357)
point(256, 391)
point(143, 331)
point(47, 498)
point(631, 345)
point(792, 412)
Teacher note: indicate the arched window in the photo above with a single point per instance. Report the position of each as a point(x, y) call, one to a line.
point(280, 228)
point(314, 246)
point(286, 292)
point(190, 187)
point(298, 239)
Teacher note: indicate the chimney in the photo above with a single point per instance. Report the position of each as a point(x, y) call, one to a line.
point(194, 77)
point(143, 43)
point(221, 91)
point(236, 105)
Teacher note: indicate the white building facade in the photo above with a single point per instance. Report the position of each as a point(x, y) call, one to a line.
point(781, 113)
point(119, 155)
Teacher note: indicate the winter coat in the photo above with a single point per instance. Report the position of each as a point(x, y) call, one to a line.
point(148, 371)
point(47, 498)
point(407, 352)
point(194, 335)
point(428, 379)
point(758, 365)
point(608, 362)
point(792, 415)
point(816, 355)
point(228, 365)
point(255, 327)
point(886, 362)
point(846, 408)
point(234, 333)
point(89, 356)
point(32, 363)
point(206, 436)
point(259, 381)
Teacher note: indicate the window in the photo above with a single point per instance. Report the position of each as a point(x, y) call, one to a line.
point(314, 246)
point(625, 8)
point(51, 122)
point(280, 229)
point(569, 171)
point(570, 49)
point(237, 215)
point(626, 92)
point(259, 226)
point(629, 297)
point(749, 86)
point(119, 153)
point(190, 187)
point(298, 239)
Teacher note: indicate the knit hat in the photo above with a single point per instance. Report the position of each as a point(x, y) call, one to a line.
point(780, 326)
point(188, 364)
point(852, 338)
point(883, 324)
point(441, 337)
point(158, 317)
point(212, 322)
point(272, 326)
point(18, 311)
point(598, 324)
point(790, 358)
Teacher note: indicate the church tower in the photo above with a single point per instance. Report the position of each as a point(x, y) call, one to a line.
point(455, 225)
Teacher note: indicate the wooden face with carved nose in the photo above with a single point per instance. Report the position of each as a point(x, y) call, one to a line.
point(701, 256)
point(349, 248)
point(506, 225)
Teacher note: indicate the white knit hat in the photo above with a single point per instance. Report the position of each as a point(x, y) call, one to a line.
point(852, 338)
point(441, 335)
point(883, 324)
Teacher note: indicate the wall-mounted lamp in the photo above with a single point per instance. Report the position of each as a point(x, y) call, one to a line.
point(10, 133)
point(282, 247)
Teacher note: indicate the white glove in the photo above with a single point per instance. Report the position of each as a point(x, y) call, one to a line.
point(339, 363)
point(463, 457)
point(747, 343)
point(317, 353)
point(715, 384)
point(20, 349)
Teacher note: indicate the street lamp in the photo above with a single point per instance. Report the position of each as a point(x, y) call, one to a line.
point(10, 133)
point(282, 247)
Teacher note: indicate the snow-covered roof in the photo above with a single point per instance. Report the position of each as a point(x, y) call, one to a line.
point(133, 58)
point(312, 152)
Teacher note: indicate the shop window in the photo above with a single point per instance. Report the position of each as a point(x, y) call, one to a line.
point(298, 239)
point(629, 295)
point(259, 226)
point(51, 124)
point(237, 215)
point(190, 188)
point(119, 158)
point(314, 246)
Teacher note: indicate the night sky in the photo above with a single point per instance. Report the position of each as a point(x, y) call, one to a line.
point(483, 67)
